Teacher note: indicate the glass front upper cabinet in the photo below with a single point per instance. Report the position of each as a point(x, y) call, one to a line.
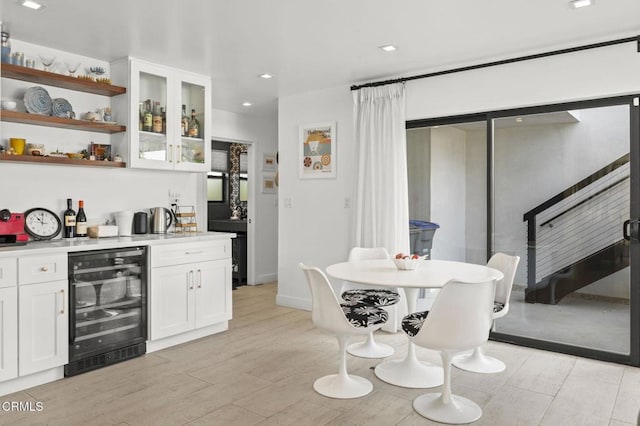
point(161, 136)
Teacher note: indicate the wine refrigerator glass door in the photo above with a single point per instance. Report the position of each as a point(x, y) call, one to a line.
point(108, 300)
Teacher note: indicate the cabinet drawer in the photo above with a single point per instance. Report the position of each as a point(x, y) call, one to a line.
point(176, 254)
point(8, 272)
point(40, 269)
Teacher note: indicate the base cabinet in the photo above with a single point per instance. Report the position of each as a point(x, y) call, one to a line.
point(189, 296)
point(43, 326)
point(9, 330)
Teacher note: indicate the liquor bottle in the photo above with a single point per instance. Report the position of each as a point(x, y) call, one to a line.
point(141, 113)
point(194, 125)
point(163, 113)
point(69, 221)
point(81, 221)
point(184, 122)
point(157, 118)
point(147, 123)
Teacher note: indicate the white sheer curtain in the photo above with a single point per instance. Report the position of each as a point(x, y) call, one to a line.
point(381, 213)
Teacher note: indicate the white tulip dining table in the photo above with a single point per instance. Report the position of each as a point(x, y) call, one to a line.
point(433, 274)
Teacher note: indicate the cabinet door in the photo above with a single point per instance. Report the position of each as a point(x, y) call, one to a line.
point(194, 150)
point(8, 333)
point(151, 149)
point(171, 301)
point(213, 292)
point(43, 326)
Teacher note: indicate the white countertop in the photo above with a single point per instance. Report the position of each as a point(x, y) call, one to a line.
point(83, 244)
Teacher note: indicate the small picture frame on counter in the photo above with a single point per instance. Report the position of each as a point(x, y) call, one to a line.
point(100, 151)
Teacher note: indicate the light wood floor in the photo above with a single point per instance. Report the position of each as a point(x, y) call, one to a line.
point(261, 371)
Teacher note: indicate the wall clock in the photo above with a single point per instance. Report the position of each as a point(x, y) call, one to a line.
point(42, 224)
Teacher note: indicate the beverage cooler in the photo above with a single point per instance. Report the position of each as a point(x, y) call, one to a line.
point(108, 300)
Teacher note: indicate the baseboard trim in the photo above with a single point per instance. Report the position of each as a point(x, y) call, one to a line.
point(35, 379)
point(167, 342)
point(293, 302)
point(265, 278)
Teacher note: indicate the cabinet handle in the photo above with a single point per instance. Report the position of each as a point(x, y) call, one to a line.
point(199, 278)
point(44, 269)
point(179, 153)
point(171, 153)
point(63, 302)
point(190, 279)
point(194, 252)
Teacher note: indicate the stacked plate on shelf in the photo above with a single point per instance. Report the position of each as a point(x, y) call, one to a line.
point(37, 101)
point(62, 108)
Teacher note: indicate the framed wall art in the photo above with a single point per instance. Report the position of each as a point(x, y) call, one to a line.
point(269, 185)
point(269, 162)
point(317, 143)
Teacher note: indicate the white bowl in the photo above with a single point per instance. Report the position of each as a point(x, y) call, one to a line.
point(407, 264)
point(9, 105)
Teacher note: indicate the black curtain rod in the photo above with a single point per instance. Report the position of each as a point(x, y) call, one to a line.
point(502, 62)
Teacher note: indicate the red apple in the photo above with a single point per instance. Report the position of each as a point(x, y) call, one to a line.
point(415, 256)
point(399, 256)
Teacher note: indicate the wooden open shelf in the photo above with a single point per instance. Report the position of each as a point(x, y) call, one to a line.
point(64, 123)
point(33, 75)
point(60, 160)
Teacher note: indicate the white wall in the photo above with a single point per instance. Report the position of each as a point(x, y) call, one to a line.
point(262, 133)
point(581, 75)
point(316, 228)
point(448, 193)
point(419, 172)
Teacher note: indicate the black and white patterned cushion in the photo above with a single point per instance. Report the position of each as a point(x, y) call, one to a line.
point(370, 296)
point(412, 323)
point(497, 307)
point(364, 315)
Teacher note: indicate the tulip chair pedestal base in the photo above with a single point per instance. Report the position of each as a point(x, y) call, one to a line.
point(478, 362)
point(459, 410)
point(370, 349)
point(342, 386)
point(409, 372)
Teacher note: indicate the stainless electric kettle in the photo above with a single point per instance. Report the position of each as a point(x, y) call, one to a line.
point(161, 219)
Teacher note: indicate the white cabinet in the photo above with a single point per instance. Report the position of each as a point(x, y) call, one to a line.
point(190, 287)
point(164, 147)
point(8, 318)
point(9, 332)
point(43, 325)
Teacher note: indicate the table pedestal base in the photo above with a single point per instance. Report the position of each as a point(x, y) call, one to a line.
point(410, 373)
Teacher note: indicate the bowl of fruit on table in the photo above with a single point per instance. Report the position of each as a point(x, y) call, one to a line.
point(407, 262)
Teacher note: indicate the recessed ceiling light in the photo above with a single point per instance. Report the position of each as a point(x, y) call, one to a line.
point(265, 75)
point(388, 48)
point(518, 119)
point(246, 104)
point(32, 4)
point(580, 3)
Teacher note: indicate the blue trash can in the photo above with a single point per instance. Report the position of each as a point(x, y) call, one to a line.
point(421, 236)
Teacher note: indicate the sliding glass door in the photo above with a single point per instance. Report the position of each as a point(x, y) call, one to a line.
point(561, 201)
point(558, 186)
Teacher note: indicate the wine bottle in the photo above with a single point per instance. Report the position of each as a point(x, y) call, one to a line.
point(163, 113)
point(141, 113)
point(81, 221)
point(147, 124)
point(69, 221)
point(157, 118)
point(184, 122)
point(194, 125)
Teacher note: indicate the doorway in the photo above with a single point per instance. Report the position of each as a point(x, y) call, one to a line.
point(229, 202)
point(558, 186)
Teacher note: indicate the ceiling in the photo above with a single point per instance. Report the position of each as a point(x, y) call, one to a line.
point(312, 45)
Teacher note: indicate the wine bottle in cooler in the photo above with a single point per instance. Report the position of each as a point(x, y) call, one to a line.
point(69, 221)
point(81, 221)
